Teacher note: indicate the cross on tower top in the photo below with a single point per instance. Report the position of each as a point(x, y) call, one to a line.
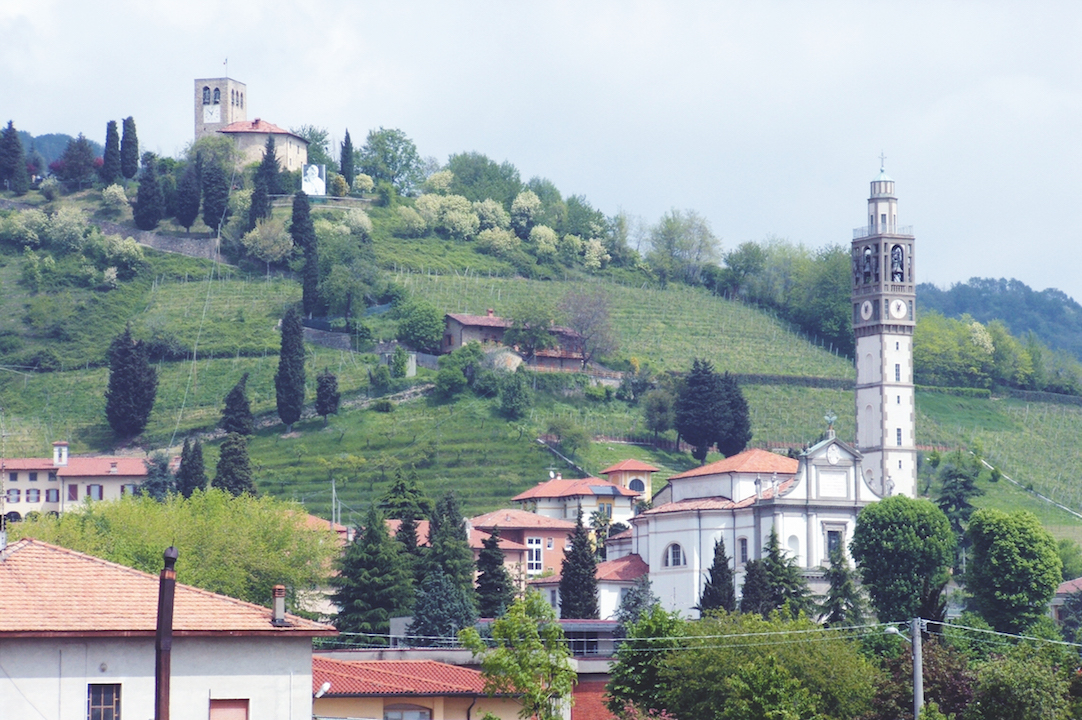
point(882, 160)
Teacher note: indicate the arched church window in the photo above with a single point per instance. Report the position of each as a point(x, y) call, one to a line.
point(232, 97)
point(794, 546)
point(637, 485)
point(242, 99)
point(217, 96)
point(897, 264)
point(674, 556)
point(206, 95)
point(867, 264)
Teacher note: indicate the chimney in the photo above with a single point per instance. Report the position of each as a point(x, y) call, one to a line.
point(112, 468)
point(491, 312)
point(278, 614)
point(163, 636)
point(559, 476)
point(60, 454)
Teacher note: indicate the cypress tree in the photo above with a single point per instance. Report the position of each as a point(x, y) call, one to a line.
point(237, 414)
point(845, 604)
point(234, 471)
point(347, 159)
point(264, 185)
point(449, 546)
point(149, 204)
point(372, 586)
point(495, 591)
point(188, 197)
point(215, 195)
point(303, 233)
point(718, 593)
point(191, 475)
point(736, 430)
point(289, 380)
point(756, 596)
point(110, 167)
point(13, 174)
point(327, 395)
point(159, 482)
point(440, 610)
point(133, 385)
point(578, 577)
point(129, 150)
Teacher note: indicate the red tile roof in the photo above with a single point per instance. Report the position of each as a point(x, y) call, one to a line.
point(476, 536)
point(51, 591)
point(394, 677)
point(579, 487)
point(422, 530)
point(623, 534)
point(629, 465)
point(590, 701)
point(77, 467)
point(749, 461)
point(626, 569)
point(519, 519)
point(717, 503)
point(257, 126)
point(1071, 586)
point(481, 320)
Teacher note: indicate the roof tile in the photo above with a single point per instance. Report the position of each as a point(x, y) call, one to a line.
point(579, 487)
point(749, 461)
point(629, 465)
point(394, 677)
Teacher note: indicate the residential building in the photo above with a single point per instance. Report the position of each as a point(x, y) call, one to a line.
point(542, 538)
point(633, 475)
point(54, 486)
point(77, 639)
point(615, 578)
point(560, 498)
point(251, 139)
point(489, 329)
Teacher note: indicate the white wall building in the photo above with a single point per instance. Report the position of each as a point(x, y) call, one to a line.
point(560, 498)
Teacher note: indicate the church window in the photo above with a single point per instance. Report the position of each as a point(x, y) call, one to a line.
point(206, 95)
point(883, 218)
point(674, 556)
point(897, 346)
point(867, 264)
point(217, 96)
point(742, 543)
point(637, 485)
point(899, 437)
point(794, 546)
point(897, 372)
point(899, 464)
point(834, 540)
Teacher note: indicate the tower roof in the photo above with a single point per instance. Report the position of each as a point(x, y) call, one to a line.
point(882, 176)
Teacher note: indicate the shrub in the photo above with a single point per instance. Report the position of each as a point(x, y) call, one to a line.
point(497, 241)
point(439, 182)
point(50, 189)
point(421, 327)
point(359, 224)
point(66, 230)
point(410, 223)
point(113, 198)
point(597, 393)
point(362, 184)
point(338, 186)
point(544, 241)
point(491, 214)
point(383, 406)
point(450, 382)
point(381, 378)
point(486, 384)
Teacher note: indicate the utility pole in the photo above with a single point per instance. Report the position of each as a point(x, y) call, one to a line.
point(918, 668)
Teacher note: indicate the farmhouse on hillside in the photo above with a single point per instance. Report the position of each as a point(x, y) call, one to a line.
point(489, 329)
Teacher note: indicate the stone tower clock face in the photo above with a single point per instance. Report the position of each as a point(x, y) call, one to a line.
point(898, 309)
point(212, 113)
point(866, 310)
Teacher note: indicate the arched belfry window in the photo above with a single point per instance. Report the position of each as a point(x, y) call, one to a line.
point(206, 95)
point(897, 264)
point(232, 97)
point(242, 99)
point(217, 96)
point(637, 485)
point(867, 264)
point(674, 556)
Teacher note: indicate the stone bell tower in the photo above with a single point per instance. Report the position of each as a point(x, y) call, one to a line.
point(884, 315)
point(218, 102)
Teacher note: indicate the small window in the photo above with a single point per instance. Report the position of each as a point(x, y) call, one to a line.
point(834, 540)
point(13, 477)
point(548, 543)
point(897, 372)
point(13, 495)
point(128, 489)
point(637, 485)
point(554, 597)
point(228, 709)
point(206, 95)
point(606, 509)
point(94, 492)
point(899, 464)
point(73, 493)
point(103, 702)
point(674, 556)
point(33, 477)
point(743, 546)
point(897, 346)
point(899, 437)
point(52, 495)
point(52, 476)
point(33, 495)
point(217, 96)
point(899, 400)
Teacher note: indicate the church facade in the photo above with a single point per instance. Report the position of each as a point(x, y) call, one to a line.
point(811, 502)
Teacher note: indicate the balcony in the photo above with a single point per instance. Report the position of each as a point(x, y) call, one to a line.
point(883, 229)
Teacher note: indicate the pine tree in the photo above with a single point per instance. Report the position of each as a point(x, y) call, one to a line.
point(495, 591)
point(110, 167)
point(237, 414)
point(149, 204)
point(845, 605)
point(191, 475)
point(372, 586)
point(327, 395)
point(289, 380)
point(448, 545)
point(413, 556)
point(13, 174)
point(215, 195)
point(786, 587)
point(129, 150)
point(578, 577)
point(404, 499)
point(638, 601)
point(736, 432)
point(188, 197)
point(718, 593)
point(159, 482)
point(264, 185)
point(440, 610)
point(756, 595)
point(234, 471)
point(77, 162)
point(133, 385)
point(699, 408)
point(347, 159)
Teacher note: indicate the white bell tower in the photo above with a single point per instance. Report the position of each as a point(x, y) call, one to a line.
point(884, 315)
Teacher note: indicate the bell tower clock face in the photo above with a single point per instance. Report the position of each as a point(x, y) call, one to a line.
point(866, 310)
point(212, 113)
point(898, 309)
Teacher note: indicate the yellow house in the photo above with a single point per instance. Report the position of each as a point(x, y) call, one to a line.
point(403, 690)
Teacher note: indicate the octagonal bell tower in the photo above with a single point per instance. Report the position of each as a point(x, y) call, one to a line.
point(884, 315)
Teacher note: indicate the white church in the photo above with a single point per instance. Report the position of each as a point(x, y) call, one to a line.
point(812, 501)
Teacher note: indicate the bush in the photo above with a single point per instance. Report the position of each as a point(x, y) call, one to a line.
point(598, 393)
point(381, 378)
point(41, 361)
point(410, 223)
point(486, 384)
point(421, 327)
point(50, 189)
point(383, 406)
point(450, 382)
point(113, 198)
point(362, 184)
point(359, 224)
point(338, 186)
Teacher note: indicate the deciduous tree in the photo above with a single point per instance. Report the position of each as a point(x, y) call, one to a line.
point(531, 329)
point(718, 592)
point(133, 385)
point(578, 577)
point(495, 592)
point(234, 471)
point(586, 311)
point(129, 149)
point(390, 156)
point(659, 410)
point(289, 380)
point(327, 395)
point(269, 241)
point(682, 244)
point(636, 674)
point(110, 167)
point(514, 395)
point(420, 326)
point(237, 413)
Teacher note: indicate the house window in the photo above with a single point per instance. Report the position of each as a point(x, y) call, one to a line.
point(94, 492)
point(13, 477)
point(128, 489)
point(897, 372)
point(548, 543)
point(103, 702)
point(13, 495)
point(52, 476)
point(605, 508)
point(73, 493)
point(674, 556)
point(406, 712)
point(52, 495)
point(637, 485)
point(228, 710)
point(899, 437)
point(33, 477)
point(533, 555)
point(554, 598)
point(742, 544)
point(33, 495)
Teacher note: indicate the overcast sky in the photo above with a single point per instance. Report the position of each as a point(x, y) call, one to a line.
point(768, 118)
